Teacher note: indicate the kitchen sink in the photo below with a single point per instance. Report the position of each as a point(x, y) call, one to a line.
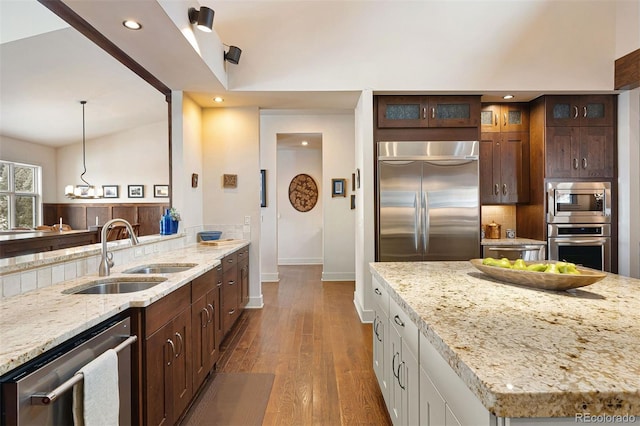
point(116, 285)
point(161, 268)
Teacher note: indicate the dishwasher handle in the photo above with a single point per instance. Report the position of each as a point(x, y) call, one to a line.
point(48, 398)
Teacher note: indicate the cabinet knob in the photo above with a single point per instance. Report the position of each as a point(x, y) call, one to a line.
point(496, 189)
point(378, 292)
point(584, 112)
point(504, 189)
point(575, 163)
point(575, 111)
point(207, 321)
point(504, 122)
point(584, 162)
point(424, 112)
point(433, 113)
point(179, 336)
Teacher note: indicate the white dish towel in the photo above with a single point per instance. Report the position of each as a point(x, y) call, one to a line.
point(95, 398)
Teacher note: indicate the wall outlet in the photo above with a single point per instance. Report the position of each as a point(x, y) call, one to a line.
point(247, 220)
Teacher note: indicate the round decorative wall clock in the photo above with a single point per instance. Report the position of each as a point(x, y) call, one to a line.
point(303, 192)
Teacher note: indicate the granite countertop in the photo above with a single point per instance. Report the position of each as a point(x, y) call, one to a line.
point(511, 242)
point(36, 321)
point(525, 352)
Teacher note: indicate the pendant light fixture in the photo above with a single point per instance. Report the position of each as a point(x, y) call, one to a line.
point(87, 190)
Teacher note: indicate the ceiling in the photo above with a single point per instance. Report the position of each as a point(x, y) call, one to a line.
point(47, 68)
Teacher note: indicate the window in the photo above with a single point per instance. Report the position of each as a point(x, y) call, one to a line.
point(19, 195)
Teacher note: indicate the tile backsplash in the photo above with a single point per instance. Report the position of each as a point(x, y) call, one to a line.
point(502, 215)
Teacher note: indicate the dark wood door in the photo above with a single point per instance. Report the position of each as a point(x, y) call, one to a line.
point(158, 378)
point(453, 111)
point(489, 118)
point(200, 322)
point(402, 111)
point(219, 313)
point(560, 157)
point(514, 167)
point(596, 152)
point(244, 285)
point(596, 110)
point(182, 384)
point(562, 111)
point(514, 117)
point(489, 158)
point(212, 344)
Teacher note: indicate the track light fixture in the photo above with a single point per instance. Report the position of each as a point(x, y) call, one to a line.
point(203, 18)
point(233, 55)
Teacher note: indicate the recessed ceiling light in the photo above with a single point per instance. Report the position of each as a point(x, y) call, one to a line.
point(507, 97)
point(132, 25)
point(305, 143)
point(218, 99)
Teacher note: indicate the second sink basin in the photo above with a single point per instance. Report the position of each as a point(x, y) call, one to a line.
point(115, 285)
point(160, 268)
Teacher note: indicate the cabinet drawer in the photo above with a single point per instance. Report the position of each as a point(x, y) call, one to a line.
point(380, 296)
point(229, 261)
point(405, 327)
point(243, 255)
point(201, 285)
point(161, 312)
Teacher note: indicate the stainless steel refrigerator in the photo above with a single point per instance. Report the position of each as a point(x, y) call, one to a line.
point(428, 201)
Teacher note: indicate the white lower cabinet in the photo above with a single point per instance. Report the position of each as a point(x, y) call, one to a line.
point(404, 401)
point(432, 405)
point(381, 361)
point(440, 384)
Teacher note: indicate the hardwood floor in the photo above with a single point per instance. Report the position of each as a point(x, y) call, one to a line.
point(309, 335)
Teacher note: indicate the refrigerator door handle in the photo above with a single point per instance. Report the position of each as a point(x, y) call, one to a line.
point(416, 221)
point(425, 223)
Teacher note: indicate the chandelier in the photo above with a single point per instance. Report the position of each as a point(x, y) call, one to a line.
point(87, 190)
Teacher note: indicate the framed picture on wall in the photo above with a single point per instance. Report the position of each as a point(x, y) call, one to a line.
point(338, 187)
point(161, 191)
point(110, 191)
point(136, 191)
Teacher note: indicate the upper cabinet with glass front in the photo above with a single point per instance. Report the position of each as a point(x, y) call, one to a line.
point(505, 117)
point(581, 110)
point(428, 111)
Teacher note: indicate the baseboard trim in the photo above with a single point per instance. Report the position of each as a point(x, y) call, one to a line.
point(366, 316)
point(301, 261)
point(255, 303)
point(338, 276)
point(270, 277)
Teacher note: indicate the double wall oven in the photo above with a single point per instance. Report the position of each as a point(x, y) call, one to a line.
point(579, 223)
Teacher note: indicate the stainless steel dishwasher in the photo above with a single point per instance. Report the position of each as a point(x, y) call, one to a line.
point(39, 392)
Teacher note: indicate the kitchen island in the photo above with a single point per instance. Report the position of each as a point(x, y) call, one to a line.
point(521, 352)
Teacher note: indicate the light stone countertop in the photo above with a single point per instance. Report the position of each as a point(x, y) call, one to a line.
point(511, 242)
point(36, 321)
point(525, 352)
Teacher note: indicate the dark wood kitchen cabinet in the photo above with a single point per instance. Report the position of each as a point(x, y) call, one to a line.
point(243, 271)
point(580, 110)
point(428, 111)
point(504, 154)
point(230, 291)
point(167, 355)
point(205, 309)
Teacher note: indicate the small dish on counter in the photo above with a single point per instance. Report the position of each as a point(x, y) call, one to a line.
point(541, 280)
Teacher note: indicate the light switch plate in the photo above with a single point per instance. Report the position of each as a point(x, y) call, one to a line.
point(247, 220)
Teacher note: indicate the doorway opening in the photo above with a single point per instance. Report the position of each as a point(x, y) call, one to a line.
point(299, 209)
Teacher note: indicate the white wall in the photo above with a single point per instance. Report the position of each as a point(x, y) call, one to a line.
point(299, 233)
point(338, 161)
point(437, 45)
point(231, 145)
point(138, 156)
point(187, 159)
point(365, 199)
point(38, 155)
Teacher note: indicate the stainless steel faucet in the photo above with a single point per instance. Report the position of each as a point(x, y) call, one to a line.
point(106, 261)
